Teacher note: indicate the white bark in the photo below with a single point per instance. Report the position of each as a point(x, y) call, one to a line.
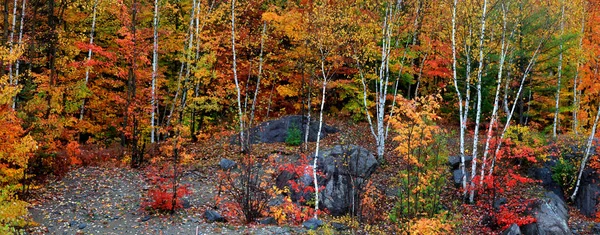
point(10, 40)
point(315, 182)
point(89, 57)
point(587, 154)
point(235, 78)
point(576, 78)
point(260, 68)
point(478, 113)
point(510, 114)
point(460, 101)
point(503, 51)
point(184, 64)
point(560, 60)
point(16, 78)
point(154, 68)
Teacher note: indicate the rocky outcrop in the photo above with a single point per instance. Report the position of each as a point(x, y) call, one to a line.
point(346, 170)
point(276, 131)
point(551, 214)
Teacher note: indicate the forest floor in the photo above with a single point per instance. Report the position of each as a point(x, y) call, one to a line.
point(101, 200)
point(108, 199)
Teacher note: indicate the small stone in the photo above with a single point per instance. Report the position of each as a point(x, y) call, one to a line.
point(82, 226)
point(339, 226)
point(73, 223)
point(312, 224)
point(227, 164)
point(213, 216)
point(268, 220)
point(146, 218)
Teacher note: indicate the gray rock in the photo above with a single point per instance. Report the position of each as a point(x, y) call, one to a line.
point(213, 216)
point(312, 224)
point(544, 174)
point(454, 161)
point(185, 203)
point(589, 193)
point(339, 226)
point(146, 218)
point(457, 175)
point(512, 230)
point(596, 228)
point(82, 226)
point(341, 165)
point(551, 215)
point(73, 223)
point(276, 131)
point(499, 202)
point(227, 164)
point(267, 221)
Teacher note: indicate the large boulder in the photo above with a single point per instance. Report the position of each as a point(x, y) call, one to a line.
point(276, 131)
point(551, 214)
point(589, 193)
point(544, 175)
point(346, 169)
point(512, 230)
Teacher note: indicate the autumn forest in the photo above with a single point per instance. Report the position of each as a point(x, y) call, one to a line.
point(293, 117)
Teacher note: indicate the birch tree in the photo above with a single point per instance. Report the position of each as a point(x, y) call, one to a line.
point(89, 56)
point(235, 78)
point(587, 154)
point(478, 113)
point(154, 68)
point(560, 61)
point(504, 47)
point(576, 77)
point(20, 43)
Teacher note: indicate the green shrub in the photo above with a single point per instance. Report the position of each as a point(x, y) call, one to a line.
point(564, 174)
point(294, 136)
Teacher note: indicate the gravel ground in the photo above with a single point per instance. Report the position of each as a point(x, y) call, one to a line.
point(95, 200)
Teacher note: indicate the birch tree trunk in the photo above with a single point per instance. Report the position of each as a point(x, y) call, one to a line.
point(460, 101)
point(260, 68)
point(503, 51)
point(154, 68)
point(478, 113)
point(512, 111)
point(16, 79)
point(576, 78)
point(587, 154)
point(560, 60)
point(10, 41)
point(235, 78)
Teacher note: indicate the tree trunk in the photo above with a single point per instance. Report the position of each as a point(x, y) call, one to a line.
point(154, 68)
point(16, 79)
point(460, 102)
point(478, 113)
point(560, 60)
point(587, 154)
point(89, 57)
point(235, 78)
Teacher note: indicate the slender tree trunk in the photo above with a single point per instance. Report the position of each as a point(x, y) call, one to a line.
point(235, 78)
point(515, 103)
point(315, 180)
point(89, 57)
point(478, 113)
point(16, 79)
point(154, 71)
point(560, 61)
point(10, 41)
point(460, 101)
point(587, 154)
point(260, 68)
point(576, 78)
point(503, 51)
point(184, 65)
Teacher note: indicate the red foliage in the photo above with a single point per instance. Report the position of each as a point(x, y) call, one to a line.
point(160, 195)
